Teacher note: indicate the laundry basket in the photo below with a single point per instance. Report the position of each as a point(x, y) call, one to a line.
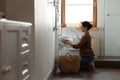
point(69, 63)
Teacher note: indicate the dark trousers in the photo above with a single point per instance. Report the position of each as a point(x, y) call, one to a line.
point(85, 62)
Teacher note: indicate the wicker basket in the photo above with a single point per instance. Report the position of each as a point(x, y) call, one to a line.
point(69, 63)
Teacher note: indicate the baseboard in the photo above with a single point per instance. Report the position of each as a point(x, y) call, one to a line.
point(50, 74)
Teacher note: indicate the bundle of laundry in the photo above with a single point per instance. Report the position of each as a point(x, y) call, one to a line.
point(70, 34)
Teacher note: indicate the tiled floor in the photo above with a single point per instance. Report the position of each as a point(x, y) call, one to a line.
point(99, 74)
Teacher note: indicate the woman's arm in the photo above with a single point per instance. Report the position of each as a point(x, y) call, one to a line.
point(81, 43)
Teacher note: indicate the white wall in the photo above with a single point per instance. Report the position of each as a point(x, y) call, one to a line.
point(101, 23)
point(22, 10)
point(100, 13)
point(44, 39)
point(2, 5)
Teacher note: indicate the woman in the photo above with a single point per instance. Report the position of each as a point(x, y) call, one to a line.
point(86, 52)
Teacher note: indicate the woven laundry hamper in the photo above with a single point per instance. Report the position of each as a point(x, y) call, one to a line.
point(69, 63)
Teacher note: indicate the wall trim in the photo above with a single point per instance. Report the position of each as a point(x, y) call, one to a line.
point(50, 74)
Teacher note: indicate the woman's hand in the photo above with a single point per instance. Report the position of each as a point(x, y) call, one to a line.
point(67, 42)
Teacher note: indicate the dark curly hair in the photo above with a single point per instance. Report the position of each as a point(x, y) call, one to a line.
point(86, 24)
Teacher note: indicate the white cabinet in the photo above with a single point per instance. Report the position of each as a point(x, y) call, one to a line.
point(15, 50)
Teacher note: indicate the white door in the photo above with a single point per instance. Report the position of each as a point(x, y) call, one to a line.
point(112, 27)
